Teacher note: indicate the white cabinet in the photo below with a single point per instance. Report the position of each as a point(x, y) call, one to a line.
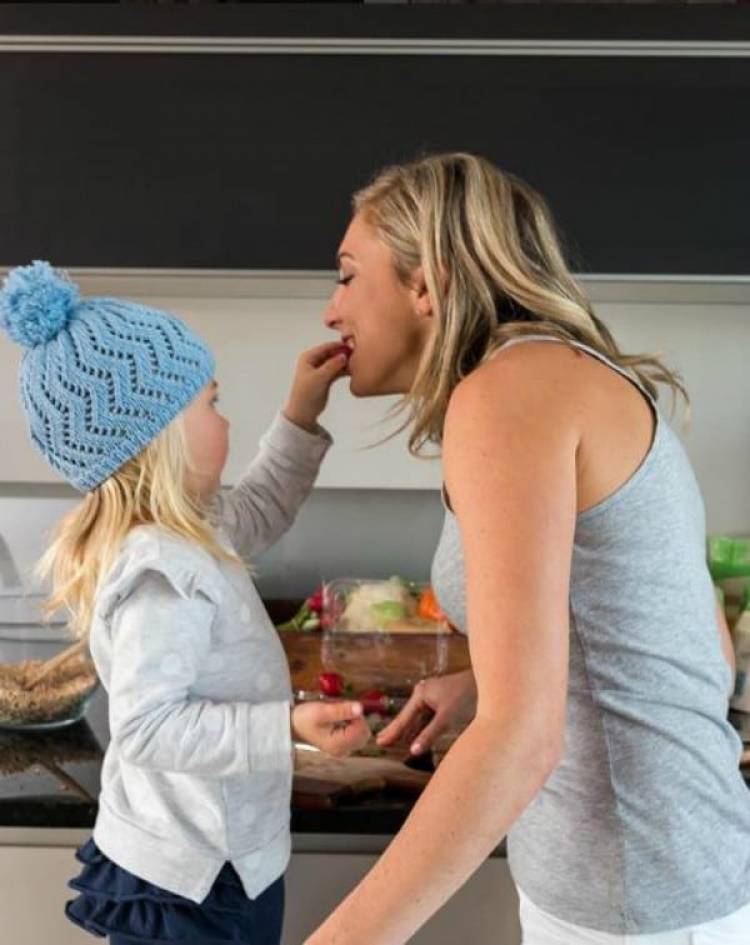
point(35, 866)
point(483, 912)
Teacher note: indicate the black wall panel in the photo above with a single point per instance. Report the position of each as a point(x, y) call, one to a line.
point(248, 161)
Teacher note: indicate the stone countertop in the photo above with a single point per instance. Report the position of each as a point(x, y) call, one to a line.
point(55, 777)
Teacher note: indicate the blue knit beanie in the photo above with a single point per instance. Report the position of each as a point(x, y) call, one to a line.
point(100, 377)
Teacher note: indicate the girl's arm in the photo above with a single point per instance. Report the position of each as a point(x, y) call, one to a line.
point(263, 505)
point(510, 465)
point(160, 640)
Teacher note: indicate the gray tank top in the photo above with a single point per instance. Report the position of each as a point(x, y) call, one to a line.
point(644, 826)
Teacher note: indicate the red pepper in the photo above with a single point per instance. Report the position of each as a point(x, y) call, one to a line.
point(331, 684)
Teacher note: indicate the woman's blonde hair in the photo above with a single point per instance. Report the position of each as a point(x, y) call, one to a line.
point(147, 489)
point(494, 270)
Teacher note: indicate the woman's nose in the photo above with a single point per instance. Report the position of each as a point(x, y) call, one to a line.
point(330, 316)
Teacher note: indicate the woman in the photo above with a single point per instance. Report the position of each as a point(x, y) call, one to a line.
point(573, 556)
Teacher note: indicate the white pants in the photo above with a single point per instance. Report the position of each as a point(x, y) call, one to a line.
point(541, 928)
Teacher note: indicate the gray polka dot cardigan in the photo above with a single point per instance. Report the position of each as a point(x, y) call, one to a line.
point(198, 770)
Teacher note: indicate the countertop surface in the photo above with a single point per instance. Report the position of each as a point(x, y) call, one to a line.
point(55, 774)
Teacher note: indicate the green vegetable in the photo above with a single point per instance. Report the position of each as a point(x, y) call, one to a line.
point(305, 619)
point(387, 610)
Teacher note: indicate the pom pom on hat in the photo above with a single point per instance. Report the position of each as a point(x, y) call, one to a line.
point(100, 377)
point(36, 303)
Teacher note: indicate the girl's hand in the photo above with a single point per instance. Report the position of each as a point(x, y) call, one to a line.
point(316, 371)
point(338, 728)
point(444, 701)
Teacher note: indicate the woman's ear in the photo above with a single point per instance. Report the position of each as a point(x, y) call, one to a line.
point(422, 300)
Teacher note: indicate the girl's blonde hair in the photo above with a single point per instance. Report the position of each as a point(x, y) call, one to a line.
point(147, 489)
point(494, 270)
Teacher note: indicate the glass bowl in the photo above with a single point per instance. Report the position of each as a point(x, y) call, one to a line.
point(58, 701)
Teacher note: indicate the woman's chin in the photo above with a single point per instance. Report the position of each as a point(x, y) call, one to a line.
point(357, 388)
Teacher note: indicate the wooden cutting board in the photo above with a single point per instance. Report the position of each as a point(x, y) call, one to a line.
point(321, 781)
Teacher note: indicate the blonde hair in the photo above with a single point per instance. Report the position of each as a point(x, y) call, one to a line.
point(147, 489)
point(494, 270)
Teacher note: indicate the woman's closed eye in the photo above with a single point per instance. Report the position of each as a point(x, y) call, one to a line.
point(344, 280)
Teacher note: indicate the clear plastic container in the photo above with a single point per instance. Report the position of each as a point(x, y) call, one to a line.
point(375, 637)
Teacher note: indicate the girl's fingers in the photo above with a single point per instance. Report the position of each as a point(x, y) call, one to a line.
point(333, 712)
point(319, 355)
point(344, 740)
point(334, 366)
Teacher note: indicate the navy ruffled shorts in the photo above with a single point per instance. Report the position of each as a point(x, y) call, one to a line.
point(113, 902)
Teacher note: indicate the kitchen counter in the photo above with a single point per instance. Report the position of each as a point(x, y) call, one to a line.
point(56, 780)
point(56, 777)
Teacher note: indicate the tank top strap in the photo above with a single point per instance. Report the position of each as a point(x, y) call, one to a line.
point(624, 372)
point(628, 375)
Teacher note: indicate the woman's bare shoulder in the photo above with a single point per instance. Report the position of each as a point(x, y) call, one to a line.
point(543, 375)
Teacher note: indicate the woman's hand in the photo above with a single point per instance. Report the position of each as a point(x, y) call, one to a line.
point(450, 701)
point(317, 369)
point(337, 728)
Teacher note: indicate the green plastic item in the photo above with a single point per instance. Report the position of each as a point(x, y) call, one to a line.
point(728, 557)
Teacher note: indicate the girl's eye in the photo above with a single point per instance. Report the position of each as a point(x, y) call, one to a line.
point(344, 280)
point(215, 401)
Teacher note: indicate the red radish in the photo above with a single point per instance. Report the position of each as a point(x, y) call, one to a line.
point(315, 602)
point(344, 349)
point(331, 684)
point(374, 701)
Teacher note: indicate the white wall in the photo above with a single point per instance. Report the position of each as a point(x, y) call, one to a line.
point(256, 341)
point(256, 326)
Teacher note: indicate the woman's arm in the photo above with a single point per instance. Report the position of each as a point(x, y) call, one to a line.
point(510, 465)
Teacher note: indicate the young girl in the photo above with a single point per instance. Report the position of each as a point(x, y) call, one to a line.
point(192, 835)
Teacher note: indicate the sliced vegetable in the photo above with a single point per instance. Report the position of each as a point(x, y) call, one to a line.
point(428, 607)
point(331, 684)
point(374, 701)
point(386, 610)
